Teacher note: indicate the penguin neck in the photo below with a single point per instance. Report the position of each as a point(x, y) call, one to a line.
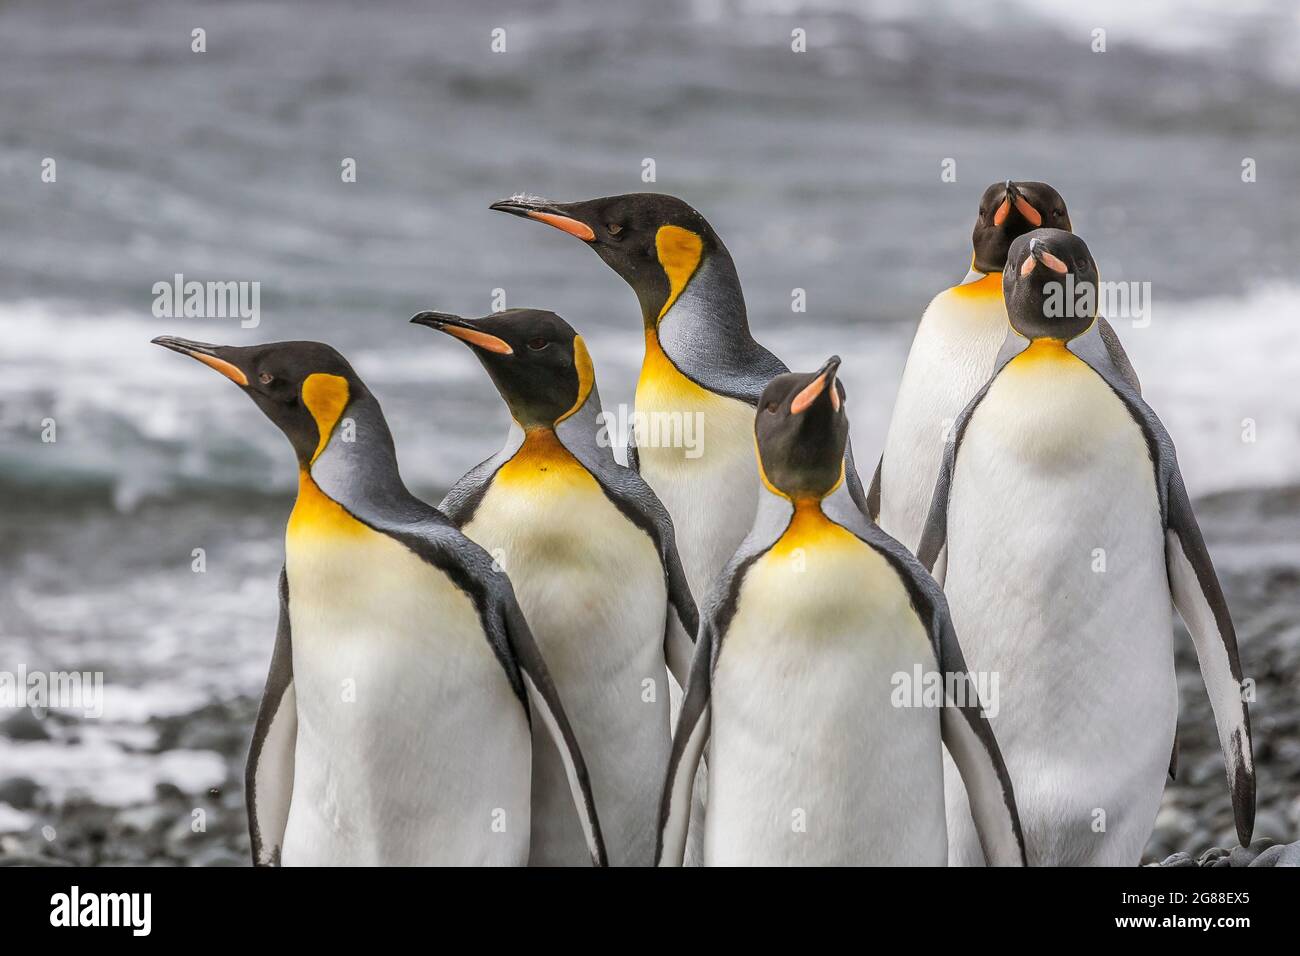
point(980, 285)
point(358, 464)
point(704, 323)
point(711, 300)
point(790, 523)
point(1044, 349)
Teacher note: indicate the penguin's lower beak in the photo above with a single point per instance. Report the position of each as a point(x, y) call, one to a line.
point(1039, 253)
point(464, 330)
point(1015, 200)
point(823, 383)
point(543, 210)
point(209, 355)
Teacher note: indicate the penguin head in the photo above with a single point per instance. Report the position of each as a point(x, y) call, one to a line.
point(538, 363)
point(801, 430)
point(1009, 210)
point(655, 242)
point(1050, 285)
point(303, 387)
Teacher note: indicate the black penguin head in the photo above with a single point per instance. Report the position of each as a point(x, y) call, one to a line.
point(655, 242)
point(1050, 285)
point(1009, 210)
point(303, 387)
point(801, 430)
point(538, 363)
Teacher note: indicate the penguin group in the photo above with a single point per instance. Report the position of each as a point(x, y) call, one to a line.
point(707, 655)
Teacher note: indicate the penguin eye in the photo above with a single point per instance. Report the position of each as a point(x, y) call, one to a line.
point(538, 344)
point(266, 378)
point(772, 407)
point(613, 228)
point(1058, 213)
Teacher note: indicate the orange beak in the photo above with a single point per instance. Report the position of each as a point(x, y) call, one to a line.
point(565, 224)
point(1004, 210)
point(543, 210)
point(810, 392)
point(1038, 253)
point(455, 326)
point(1029, 212)
point(203, 352)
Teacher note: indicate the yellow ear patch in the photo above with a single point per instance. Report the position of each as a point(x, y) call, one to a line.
point(586, 375)
point(325, 397)
point(679, 253)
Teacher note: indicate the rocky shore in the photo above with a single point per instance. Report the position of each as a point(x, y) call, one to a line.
point(1253, 537)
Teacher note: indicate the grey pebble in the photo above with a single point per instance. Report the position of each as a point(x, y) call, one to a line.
point(1287, 854)
point(21, 793)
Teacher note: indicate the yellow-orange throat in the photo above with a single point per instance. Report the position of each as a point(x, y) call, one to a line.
point(662, 386)
point(990, 286)
point(810, 528)
point(315, 513)
point(543, 460)
point(1045, 350)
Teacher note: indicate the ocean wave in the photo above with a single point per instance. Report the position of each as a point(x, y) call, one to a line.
point(133, 422)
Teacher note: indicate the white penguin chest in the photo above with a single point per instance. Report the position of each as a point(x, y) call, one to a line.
point(696, 451)
point(587, 578)
point(1057, 583)
point(810, 759)
point(409, 732)
point(591, 585)
point(952, 356)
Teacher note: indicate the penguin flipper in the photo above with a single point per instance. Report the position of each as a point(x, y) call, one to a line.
point(633, 456)
point(853, 482)
point(544, 701)
point(873, 493)
point(464, 497)
point(1194, 587)
point(693, 726)
point(968, 735)
point(1117, 355)
point(268, 774)
point(934, 538)
point(1199, 599)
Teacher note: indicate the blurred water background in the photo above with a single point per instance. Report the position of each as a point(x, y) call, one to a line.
point(821, 170)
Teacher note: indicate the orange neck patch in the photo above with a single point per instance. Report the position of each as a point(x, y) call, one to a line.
point(809, 528)
point(987, 287)
point(316, 513)
point(1046, 350)
point(541, 458)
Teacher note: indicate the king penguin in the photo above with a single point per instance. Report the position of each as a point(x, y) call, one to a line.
point(591, 553)
point(1063, 535)
point(395, 727)
point(952, 356)
point(815, 757)
point(702, 372)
